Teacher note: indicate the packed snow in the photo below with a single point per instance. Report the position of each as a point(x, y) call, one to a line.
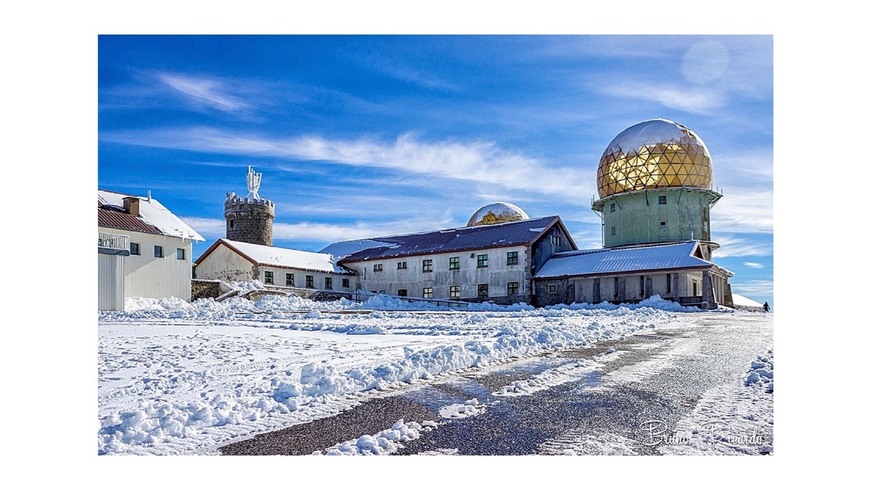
point(385, 442)
point(469, 408)
point(184, 378)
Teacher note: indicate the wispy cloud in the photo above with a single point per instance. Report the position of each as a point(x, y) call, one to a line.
point(744, 211)
point(732, 246)
point(207, 91)
point(753, 289)
point(753, 265)
point(682, 98)
point(477, 161)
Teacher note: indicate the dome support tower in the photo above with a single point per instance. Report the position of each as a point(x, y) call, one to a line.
point(655, 185)
point(249, 219)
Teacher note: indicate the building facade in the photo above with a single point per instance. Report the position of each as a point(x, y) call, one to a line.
point(144, 250)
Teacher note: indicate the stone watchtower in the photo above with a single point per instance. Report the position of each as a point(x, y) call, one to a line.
point(250, 219)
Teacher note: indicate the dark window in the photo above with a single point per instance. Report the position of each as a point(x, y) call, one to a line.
point(231, 223)
point(269, 277)
point(612, 230)
point(556, 240)
point(179, 253)
point(309, 282)
point(615, 287)
point(513, 258)
point(403, 292)
point(289, 279)
point(327, 283)
point(551, 288)
point(513, 288)
point(345, 283)
point(378, 267)
point(427, 265)
point(454, 292)
point(454, 263)
point(402, 265)
point(641, 285)
point(668, 283)
point(664, 223)
point(482, 290)
point(482, 260)
point(134, 248)
point(158, 251)
point(427, 292)
point(663, 199)
point(613, 207)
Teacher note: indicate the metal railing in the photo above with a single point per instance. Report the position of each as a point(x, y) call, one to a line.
point(115, 242)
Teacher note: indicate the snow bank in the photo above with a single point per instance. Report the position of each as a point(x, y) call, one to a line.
point(761, 372)
point(384, 442)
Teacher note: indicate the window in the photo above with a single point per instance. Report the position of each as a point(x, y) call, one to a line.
point(613, 207)
point(615, 287)
point(327, 283)
point(641, 285)
point(551, 288)
point(427, 292)
point(378, 267)
point(289, 279)
point(345, 283)
point(427, 265)
point(482, 290)
point(403, 292)
point(134, 248)
point(402, 265)
point(454, 263)
point(269, 277)
point(309, 282)
point(663, 223)
point(179, 253)
point(513, 288)
point(231, 223)
point(556, 240)
point(482, 260)
point(612, 230)
point(454, 292)
point(513, 258)
point(668, 283)
point(663, 199)
point(158, 251)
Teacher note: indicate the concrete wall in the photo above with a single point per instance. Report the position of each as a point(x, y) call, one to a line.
point(223, 263)
point(147, 276)
point(636, 217)
point(496, 275)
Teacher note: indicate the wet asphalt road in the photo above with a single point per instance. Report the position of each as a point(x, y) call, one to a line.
point(651, 377)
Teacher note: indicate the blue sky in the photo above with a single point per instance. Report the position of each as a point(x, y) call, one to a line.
point(358, 136)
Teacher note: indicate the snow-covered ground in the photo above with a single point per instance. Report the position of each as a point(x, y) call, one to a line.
point(185, 378)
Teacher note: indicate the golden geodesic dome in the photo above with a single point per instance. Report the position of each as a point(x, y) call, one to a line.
point(654, 154)
point(499, 212)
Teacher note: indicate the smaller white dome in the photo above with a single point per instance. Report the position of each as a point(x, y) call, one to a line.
point(499, 212)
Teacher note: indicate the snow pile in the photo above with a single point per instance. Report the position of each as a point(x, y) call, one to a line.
point(761, 372)
point(552, 377)
point(384, 442)
point(462, 410)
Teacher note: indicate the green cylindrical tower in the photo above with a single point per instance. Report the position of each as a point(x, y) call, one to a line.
point(655, 185)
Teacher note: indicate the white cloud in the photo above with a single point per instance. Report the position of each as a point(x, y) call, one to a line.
point(753, 289)
point(731, 246)
point(207, 91)
point(744, 211)
point(753, 265)
point(691, 100)
point(477, 161)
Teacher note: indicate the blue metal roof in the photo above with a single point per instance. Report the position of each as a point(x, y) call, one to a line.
point(622, 260)
point(523, 232)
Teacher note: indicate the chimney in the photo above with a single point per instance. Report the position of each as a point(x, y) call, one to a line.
point(131, 205)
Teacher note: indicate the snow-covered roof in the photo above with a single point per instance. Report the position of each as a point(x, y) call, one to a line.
point(741, 300)
point(151, 212)
point(498, 235)
point(620, 260)
point(281, 257)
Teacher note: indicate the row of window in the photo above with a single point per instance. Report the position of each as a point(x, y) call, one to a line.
point(290, 280)
point(158, 251)
point(513, 258)
point(662, 200)
point(482, 291)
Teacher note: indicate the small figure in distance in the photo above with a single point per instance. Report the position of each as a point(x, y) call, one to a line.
point(766, 307)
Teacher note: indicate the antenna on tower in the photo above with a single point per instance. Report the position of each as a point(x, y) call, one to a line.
point(253, 179)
